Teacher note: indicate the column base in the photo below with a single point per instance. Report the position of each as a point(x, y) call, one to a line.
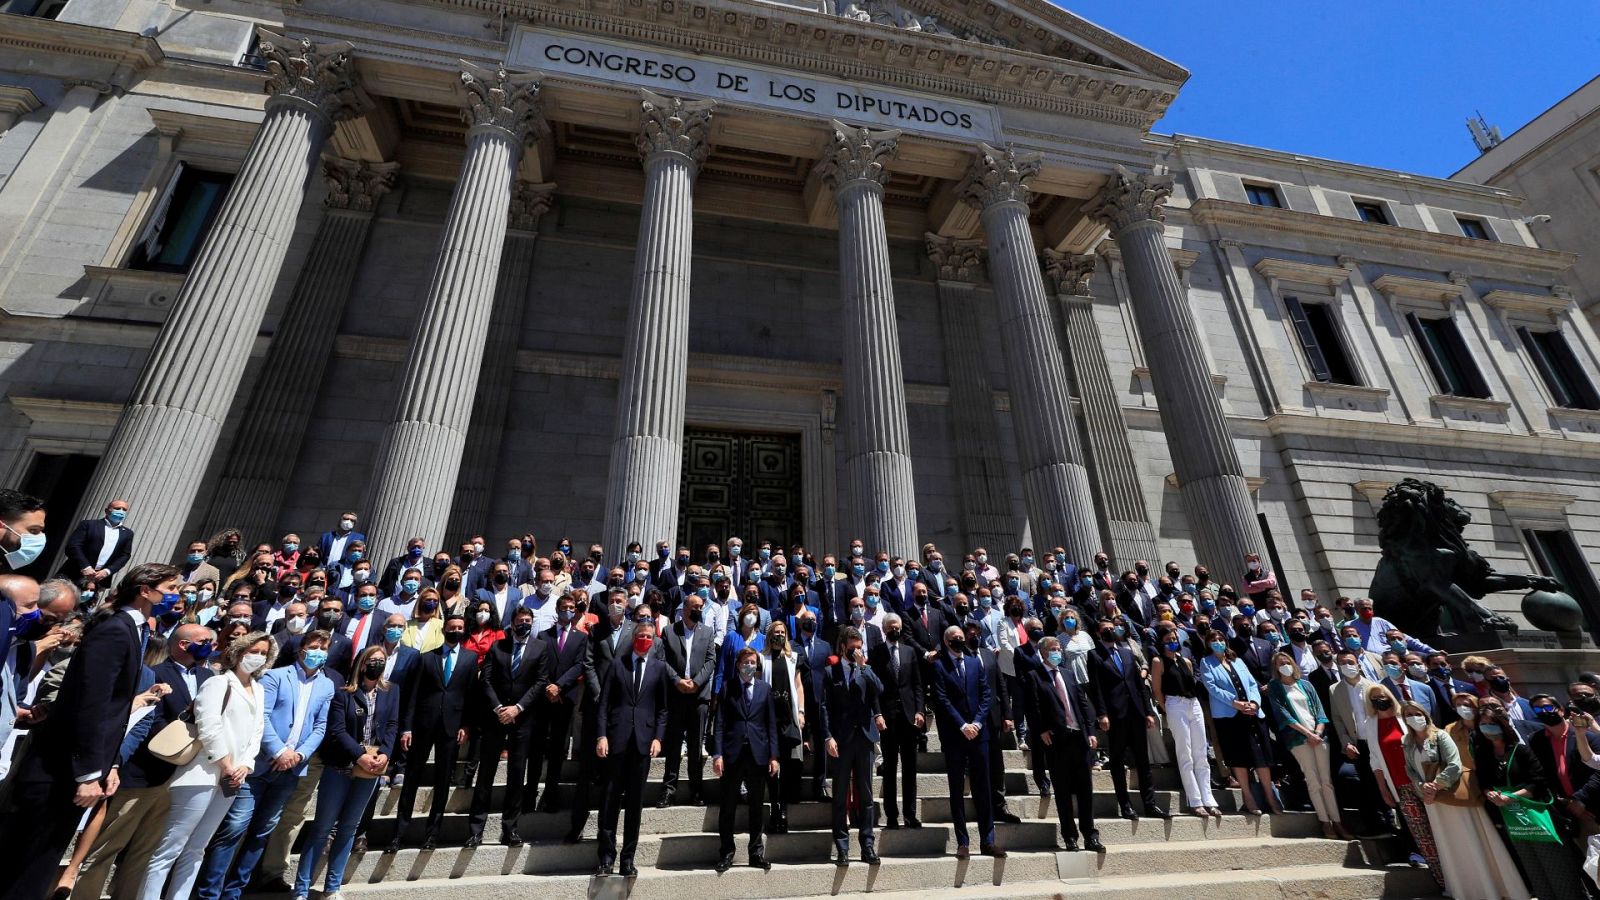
point(642, 492)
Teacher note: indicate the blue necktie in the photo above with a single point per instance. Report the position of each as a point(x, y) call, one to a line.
point(516, 660)
point(1117, 658)
point(449, 664)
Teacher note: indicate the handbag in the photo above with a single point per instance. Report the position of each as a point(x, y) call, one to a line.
point(357, 772)
point(1527, 820)
point(178, 741)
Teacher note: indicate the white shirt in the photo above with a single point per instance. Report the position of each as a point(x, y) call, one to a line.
point(388, 606)
point(544, 610)
point(108, 546)
point(336, 549)
point(390, 656)
point(274, 613)
point(302, 700)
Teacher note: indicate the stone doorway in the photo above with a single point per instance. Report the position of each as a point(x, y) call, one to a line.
point(740, 483)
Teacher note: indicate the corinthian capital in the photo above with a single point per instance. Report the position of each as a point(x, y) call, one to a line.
point(501, 101)
point(675, 125)
point(956, 259)
point(857, 154)
point(1067, 273)
point(317, 77)
point(998, 176)
point(529, 203)
point(1130, 198)
point(356, 185)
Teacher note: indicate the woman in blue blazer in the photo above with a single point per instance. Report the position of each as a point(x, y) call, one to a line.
point(1241, 722)
point(362, 725)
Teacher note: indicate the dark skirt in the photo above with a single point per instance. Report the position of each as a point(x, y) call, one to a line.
point(1244, 742)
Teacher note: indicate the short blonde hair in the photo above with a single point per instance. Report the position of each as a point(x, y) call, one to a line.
point(1375, 688)
point(242, 644)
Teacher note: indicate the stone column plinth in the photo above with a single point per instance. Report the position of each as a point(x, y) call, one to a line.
point(159, 451)
point(878, 461)
point(1055, 484)
point(278, 414)
point(985, 498)
point(421, 450)
point(1125, 519)
point(647, 446)
point(480, 461)
point(1222, 517)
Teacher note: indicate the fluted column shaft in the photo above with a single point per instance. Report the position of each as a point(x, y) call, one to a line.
point(1222, 517)
point(162, 444)
point(1055, 483)
point(878, 461)
point(480, 461)
point(278, 414)
point(647, 446)
point(423, 444)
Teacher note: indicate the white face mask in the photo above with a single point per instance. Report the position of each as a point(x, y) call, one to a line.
point(1467, 713)
point(1417, 672)
point(1416, 723)
point(205, 595)
point(295, 625)
point(1350, 671)
point(252, 662)
point(750, 620)
point(899, 571)
point(545, 589)
point(483, 616)
point(1286, 671)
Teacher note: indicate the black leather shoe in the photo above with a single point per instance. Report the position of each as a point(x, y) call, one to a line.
point(394, 846)
point(1069, 844)
point(430, 842)
point(913, 822)
point(696, 800)
point(626, 870)
point(725, 863)
point(963, 851)
point(602, 870)
point(1125, 810)
point(546, 805)
point(1093, 845)
point(760, 862)
point(992, 850)
point(510, 837)
point(892, 824)
point(824, 797)
point(1155, 811)
point(664, 802)
point(472, 840)
point(841, 858)
point(870, 856)
point(1008, 818)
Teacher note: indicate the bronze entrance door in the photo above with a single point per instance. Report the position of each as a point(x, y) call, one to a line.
point(739, 484)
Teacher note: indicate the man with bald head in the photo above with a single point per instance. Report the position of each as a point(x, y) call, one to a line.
point(99, 548)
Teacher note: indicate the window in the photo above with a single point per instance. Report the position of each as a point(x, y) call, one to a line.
point(1557, 555)
point(1473, 228)
point(181, 220)
point(39, 9)
point(1315, 325)
point(60, 480)
point(1559, 369)
point(1372, 211)
point(1448, 357)
point(1262, 195)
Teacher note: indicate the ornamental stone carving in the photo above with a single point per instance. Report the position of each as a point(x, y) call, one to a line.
point(857, 154)
point(318, 77)
point(1130, 198)
point(955, 259)
point(1068, 273)
point(529, 203)
point(675, 125)
point(502, 101)
point(998, 176)
point(356, 185)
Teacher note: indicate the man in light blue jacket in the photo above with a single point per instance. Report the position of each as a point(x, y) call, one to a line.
point(296, 704)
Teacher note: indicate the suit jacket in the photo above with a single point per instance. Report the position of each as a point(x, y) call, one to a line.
point(813, 665)
point(84, 729)
point(833, 597)
point(325, 544)
point(139, 768)
point(1421, 694)
point(629, 714)
point(902, 693)
point(86, 542)
point(1003, 706)
point(1323, 684)
point(1045, 712)
point(698, 662)
point(405, 667)
point(1585, 781)
point(850, 709)
point(503, 688)
point(347, 719)
point(566, 666)
point(430, 703)
point(961, 696)
point(341, 653)
point(397, 567)
point(1124, 696)
point(281, 690)
point(895, 597)
point(600, 654)
point(930, 637)
point(746, 726)
point(1342, 714)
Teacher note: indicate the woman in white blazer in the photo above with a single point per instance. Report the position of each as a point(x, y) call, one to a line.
point(228, 716)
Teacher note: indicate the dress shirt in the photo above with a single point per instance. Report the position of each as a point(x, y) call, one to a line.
point(1060, 683)
point(391, 653)
point(544, 610)
point(336, 549)
point(302, 700)
point(1372, 636)
point(107, 546)
point(275, 612)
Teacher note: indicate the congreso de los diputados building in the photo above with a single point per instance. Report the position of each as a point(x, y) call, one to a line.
point(902, 270)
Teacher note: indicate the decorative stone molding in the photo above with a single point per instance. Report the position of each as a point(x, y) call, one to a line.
point(1533, 504)
point(675, 125)
point(1068, 274)
point(502, 101)
point(129, 294)
point(1486, 411)
point(529, 203)
point(1349, 397)
point(1421, 292)
point(1544, 306)
point(1253, 482)
point(1373, 491)
point(1280, 270)
point(52, 411)
point(998, 176)
point(1130, 198)
point(15, 102)
point(356, 185)
point(1576, 421)
point(857, 154)
point(955, 259)
point(318, 77)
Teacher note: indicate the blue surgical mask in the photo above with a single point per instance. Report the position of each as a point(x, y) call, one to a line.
point(1352, 643)
point(316, 659)
point(1055, 658)
point(1070, 623)
point(202, 650)
point(513, 555)
point(765, 554)
point(859, 570)
point(28, 549)
point(164, 605)
point(411, 585)
point(883, 566)
point(116, 516)
point(828, 572)
point(1274, 638)
point(1247, 610)
point(1392, 670)
point(703, 593)
point(1491, 730)
point(1173, 646)
point(366, 603)
point(196, 559)
point(872, 600)
point(394, 633)
point(290, 547)
point(1397, 645)
point(1119, 632)
point(355, 555)
point(416, 552)
point(1218, 647)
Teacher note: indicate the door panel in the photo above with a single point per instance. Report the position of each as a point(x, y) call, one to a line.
point(736, 483)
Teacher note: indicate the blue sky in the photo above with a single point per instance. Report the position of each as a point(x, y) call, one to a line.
point(1386, 84)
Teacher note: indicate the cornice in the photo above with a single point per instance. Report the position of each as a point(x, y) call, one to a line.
point(1428, 290)
point(1536, 304)
point(1345, 233)
point(43, 39)
point(1302, 272)
point(49, 410)
point(17, 101)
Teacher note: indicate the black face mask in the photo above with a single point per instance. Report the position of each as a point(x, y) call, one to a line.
point(1035, 634)
point(1551, 717)
point(692, 616)
point(522, 629)
point(1587, 703)
point(1381, 704)
point(1299, 637)
point(454, 637)
point(288, 590)
point(892, 634)
point(957, 646)
point(1500, 683)
point(374, 668)
point(329, 620)
point(500, 579)
point(452, 583)
point(809, 626)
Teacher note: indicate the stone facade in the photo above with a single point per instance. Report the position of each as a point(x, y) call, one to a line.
point(117, 97)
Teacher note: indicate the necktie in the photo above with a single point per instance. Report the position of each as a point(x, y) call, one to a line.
point(894, 657)
point(1405, 691)
point(449, 664)
point(748, 688)
point(638, 674)
point(561, 642)
point(1116, 658)
point(1066, 704)
point(615, 633)
point(516, 659)
point(850, 675)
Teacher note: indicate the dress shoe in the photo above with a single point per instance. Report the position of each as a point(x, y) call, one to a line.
point(696, 800)
point(394, 846)
point(510, 837)
point(1154, 811)
point(760, 862)
point(963, 851)
point(627, 870)
point(824, 797)
point(1008, 818)
point(664, 802)
point(360, 845)
point(725, 863)
point(1093, 845)
point(1069, 844)
point(870, 856)
point(892, 824)
point(602, 870)
point(547, 805)
point(992, 850)
point(1126, 811)
point(472, 840)
point(841, 858)
point(273, 885)
point(913, 822)
point(429, 842)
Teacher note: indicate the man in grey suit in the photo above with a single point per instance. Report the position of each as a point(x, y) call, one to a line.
point(689, 648)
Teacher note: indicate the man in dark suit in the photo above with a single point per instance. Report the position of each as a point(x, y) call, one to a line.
point(515, 672)
point(567, 645)
point(434, 720)
point(1442, 681)
point(1004, 712)
point(99, 548)
point(926, 620)
point(362, 623)
point(68, 765)
point(334, 544)
point(1125, 713)
point(744, 754)
point(1574, 787)
point(813, 655)
point(633, 720)
point(689, 650)
point(609, 638)
point(961, 700)
point(898, 665)
point(1059, 712)
point(856, 617)
point(415, 557)
point(852, 719)
point(833, 592)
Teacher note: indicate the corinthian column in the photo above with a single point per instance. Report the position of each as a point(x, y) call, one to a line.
point(647, 447)
point(480, 461)
point(422, 447)
point(163, 441)
point(1055, 484)
point(1125, 519)
point(985, 501)
point(279, 411)
point(883, 494)
point(1222, 518)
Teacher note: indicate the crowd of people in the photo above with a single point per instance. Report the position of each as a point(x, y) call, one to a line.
point(183, 721)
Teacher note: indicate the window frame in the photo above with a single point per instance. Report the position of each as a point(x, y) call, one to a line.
point(1381, 208)
point(156, 221)
point(1311, 343)
point(1481, 225)
point(1550, 372)
point(1271, 190)
point(1460, 356)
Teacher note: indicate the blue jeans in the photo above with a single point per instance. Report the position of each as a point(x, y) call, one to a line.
point(341, 803)
point(246, 828)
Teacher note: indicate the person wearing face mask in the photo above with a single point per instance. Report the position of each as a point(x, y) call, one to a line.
point(633, 723)
point(898, 665)
point(516, 671)
point(22, 538)
point(1566, 754)
point(1384, 733)
point(1176, 688)
point(360, 573)
point(1443, 684)
point(1236, 710)
point(689, 653)
point(99, 548)
point(1378, 634)
point(542, 601)
point(500, 593)
point(433, 722)
point(1258, 579)
point(780, 669)
point(286, 558)
point(295, 701)
point(833, 590)
point(567, 643)
point(194, 568)
point(1125, 715)
point(483, 629)
point(811, 655)
point(962, 698)
point(1060, 710)
point(1499, 687)
point(364, 624)
point(1302, 730)
point(1508, 774)
point(332, 545)
point(404, 600)
point(414, 557)
point(745, 755)
point(230, 720)
point(1371, 663)
point(609, 637)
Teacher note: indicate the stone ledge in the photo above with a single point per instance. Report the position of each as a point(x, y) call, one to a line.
point(1473, 409)
point(1353, 397)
